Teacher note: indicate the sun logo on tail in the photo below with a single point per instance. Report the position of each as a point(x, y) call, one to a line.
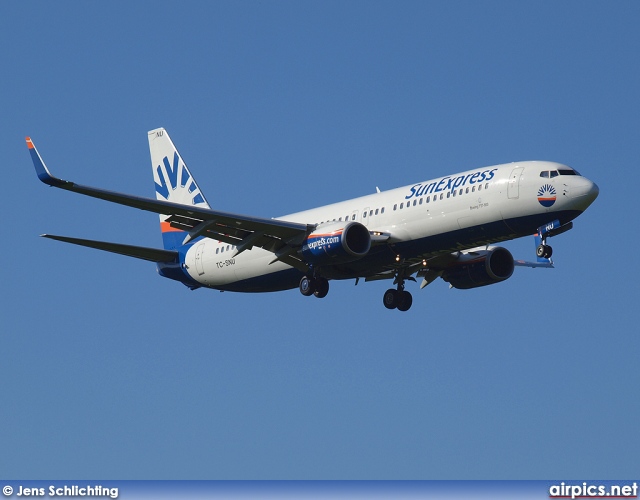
point(176, 183)
point(547, 195)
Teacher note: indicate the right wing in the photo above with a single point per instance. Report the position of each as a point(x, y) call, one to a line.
point(280, 237)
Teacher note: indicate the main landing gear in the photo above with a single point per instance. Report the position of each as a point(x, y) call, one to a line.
point(314, 285)
point(397, 299)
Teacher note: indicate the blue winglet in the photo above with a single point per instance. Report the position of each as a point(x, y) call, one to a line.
point(41, 169)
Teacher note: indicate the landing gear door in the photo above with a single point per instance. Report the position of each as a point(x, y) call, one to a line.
point(513, 190)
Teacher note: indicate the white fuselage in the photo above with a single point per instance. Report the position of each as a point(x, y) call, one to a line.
point(450, 213)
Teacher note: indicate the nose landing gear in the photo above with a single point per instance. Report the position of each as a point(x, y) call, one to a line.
point(543, 250)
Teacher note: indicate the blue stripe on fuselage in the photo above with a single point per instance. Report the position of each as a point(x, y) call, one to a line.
point(385, 255)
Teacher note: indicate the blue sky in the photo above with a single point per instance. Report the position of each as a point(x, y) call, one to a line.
point(112, 372)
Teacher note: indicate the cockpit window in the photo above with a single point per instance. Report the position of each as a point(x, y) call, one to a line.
point(560, 171)
point(568, 171)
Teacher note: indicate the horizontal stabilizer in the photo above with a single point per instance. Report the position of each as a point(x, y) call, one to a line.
point(150, 254)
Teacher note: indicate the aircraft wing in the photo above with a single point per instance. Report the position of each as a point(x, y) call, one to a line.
point(145, 253)
point(277, 236)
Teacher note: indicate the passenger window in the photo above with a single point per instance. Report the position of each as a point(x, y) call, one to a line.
point(428, 198)
point(461, 191)
point(486, 186)
point(376, 211)
point(421, 201)
point(480, 187)
point(454, 193)
point(395, 206)
point(473, 189)
point(441, 196)
point(382, 210)
point(217, 250)
point(449, 194)
point(364, 214)
point(401, 205)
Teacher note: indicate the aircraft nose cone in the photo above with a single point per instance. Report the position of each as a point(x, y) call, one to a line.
point(584, 187)
point(583, 193)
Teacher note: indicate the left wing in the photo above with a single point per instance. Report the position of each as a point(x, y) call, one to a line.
point(144, 253)
point(283, 238)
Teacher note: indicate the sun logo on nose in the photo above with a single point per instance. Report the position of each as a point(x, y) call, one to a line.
point(547, 195)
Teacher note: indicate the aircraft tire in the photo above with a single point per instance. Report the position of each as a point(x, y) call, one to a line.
point(390, 299)
point(307, 286)
point(321, 287)
point(544, 251)
point(404, 304)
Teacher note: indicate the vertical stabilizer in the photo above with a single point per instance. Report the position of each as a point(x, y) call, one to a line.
point(173, 182)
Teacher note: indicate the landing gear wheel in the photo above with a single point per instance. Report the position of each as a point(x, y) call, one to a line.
point(405, 301)
point(321, 287)
point(307, 286)
point(544, 251)
point(390, 298)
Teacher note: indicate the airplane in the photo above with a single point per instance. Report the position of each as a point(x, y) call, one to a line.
point(440, 228)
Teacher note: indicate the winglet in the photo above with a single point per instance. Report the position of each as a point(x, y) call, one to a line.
point(41, 169)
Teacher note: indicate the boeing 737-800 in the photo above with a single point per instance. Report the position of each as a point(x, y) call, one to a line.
point(440, 228)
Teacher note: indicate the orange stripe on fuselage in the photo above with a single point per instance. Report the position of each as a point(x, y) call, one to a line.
point(165, 227)
point(322, 235)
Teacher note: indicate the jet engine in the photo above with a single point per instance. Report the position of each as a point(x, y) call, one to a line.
point(336, 242)
point(477, 268)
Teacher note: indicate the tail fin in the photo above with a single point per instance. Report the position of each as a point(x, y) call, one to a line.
point(173, 182)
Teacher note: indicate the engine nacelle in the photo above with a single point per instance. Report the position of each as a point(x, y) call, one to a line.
point(480, 268)
point(336, 242)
